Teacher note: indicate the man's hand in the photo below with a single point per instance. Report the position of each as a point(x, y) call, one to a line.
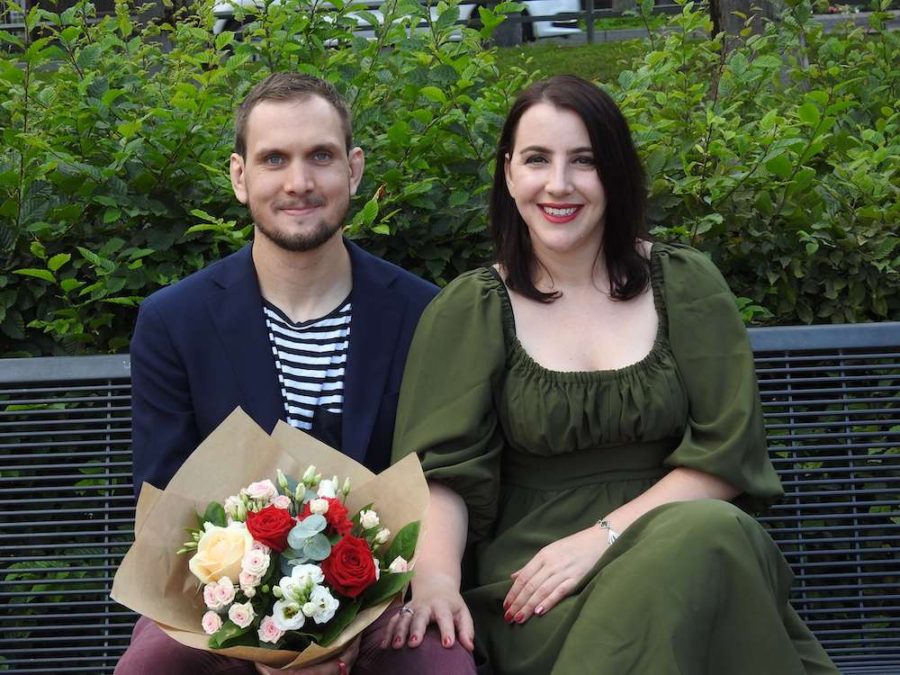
point(552, 574)
point(435, 599)
point(340, 665)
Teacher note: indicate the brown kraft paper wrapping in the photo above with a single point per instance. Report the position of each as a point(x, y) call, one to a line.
point(155, 582)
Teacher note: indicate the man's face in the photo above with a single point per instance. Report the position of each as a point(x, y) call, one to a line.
point(297, 177)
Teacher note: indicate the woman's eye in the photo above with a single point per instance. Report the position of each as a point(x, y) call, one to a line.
point(535, 159)
point(584, 160)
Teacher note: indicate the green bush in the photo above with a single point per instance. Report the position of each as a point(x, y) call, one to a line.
point(780, 160)
point(113, 176)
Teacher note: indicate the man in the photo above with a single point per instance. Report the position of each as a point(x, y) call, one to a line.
point(301, 325)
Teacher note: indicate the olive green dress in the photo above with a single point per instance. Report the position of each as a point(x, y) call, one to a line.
point(537, 455)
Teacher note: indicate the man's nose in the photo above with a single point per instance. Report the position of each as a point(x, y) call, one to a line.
point(298, 178)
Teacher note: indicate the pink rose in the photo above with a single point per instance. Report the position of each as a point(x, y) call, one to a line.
point(211, 622)
point(241, 614)
point(263, 489)
point(269, 631)
point(399, 565)
point(281, 502)
point(223, 592)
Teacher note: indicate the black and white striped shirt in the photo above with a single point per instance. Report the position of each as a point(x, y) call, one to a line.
point(310, 357)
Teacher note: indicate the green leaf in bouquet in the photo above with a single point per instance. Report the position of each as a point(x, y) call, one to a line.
point(404, 543)
point(215, 514)
point(317, 547)
point(305, 529)
point(229, 635)
point(389, 584)
point(341, 619)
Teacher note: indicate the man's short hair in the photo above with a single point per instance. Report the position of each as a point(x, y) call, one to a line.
point(289, 87)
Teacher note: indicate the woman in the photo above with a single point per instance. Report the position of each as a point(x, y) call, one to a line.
point(584, 411)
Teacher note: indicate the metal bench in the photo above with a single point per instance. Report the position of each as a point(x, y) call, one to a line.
point(831, 396)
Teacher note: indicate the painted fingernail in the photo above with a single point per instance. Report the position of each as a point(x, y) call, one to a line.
point(539, 610)
point(413, 638)
point(398, 642)
point(520, 617)
point(508, 617)
point(506, 604)
point(447, 641)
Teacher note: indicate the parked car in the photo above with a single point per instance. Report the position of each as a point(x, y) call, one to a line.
point(468, 12)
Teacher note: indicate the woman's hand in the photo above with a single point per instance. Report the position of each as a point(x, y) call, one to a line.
point(340, 665)
point(435, 598)
point(552, 574)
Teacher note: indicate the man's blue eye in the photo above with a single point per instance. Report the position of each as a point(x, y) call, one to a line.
point(273, 159)
point(322, 156)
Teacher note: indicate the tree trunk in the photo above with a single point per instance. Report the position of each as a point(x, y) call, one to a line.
point(732, 16)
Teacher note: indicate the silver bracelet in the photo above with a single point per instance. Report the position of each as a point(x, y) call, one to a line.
point(611, 534)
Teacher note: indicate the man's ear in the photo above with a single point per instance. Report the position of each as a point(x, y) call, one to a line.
point(238, 174)
point(357, 160)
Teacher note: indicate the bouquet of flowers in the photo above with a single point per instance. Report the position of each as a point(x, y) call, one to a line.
point(290, 569)
point(287, 565)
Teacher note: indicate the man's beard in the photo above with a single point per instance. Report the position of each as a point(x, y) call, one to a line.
point(306, 240)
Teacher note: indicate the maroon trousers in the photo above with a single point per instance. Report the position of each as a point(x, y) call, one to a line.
point(152, 652)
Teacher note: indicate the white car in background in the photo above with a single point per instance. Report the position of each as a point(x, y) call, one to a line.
point(468, 10)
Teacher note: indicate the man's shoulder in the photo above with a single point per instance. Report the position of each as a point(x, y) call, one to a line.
point(395, 277)
point(194, 288)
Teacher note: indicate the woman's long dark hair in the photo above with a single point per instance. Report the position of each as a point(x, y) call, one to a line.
point(620, 172)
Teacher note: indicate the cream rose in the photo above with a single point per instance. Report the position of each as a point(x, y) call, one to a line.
point(220, 552)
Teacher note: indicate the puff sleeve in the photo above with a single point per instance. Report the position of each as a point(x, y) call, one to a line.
point(725, 435)
point(447, 408)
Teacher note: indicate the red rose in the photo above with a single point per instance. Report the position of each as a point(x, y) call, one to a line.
point(270, 526)
point(335, 516)
point(350, 569)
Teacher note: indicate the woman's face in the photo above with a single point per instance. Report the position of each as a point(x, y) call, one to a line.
point(551, 175)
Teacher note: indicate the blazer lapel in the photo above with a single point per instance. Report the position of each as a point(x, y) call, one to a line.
point(374, 329)
point(237, 313)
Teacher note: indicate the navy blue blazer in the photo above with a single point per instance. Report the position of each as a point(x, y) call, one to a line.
point(201, 348)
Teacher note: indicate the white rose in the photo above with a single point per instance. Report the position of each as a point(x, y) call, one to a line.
point(220, 551)
point(368, 519)
point(398, 565)
point(319, 506)
point(327, 488)
point(255, 562)
point(287, 615)
point(211, 622)
point(263, 489)
point(383, 535)
point(241, 614)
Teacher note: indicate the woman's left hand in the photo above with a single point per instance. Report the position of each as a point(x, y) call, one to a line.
point(552, 574)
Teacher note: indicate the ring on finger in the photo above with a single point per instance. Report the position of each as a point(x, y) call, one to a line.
point(407, 610)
